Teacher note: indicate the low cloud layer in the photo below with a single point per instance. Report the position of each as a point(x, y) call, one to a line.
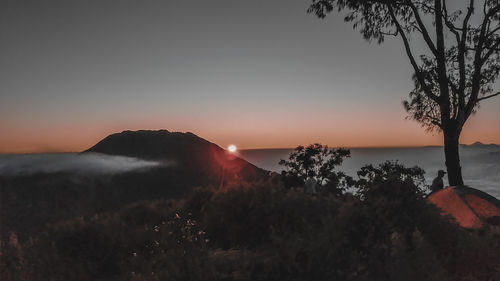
point(91, 163)
point(480, 165)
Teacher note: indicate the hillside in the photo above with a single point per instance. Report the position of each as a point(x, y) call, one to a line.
point(185, 150)
point(28, 202)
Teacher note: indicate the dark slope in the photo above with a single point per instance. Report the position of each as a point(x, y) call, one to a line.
point(27, 203)
point(190, 154)
point(160, 144)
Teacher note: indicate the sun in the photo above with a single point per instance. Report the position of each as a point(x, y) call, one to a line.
point(232, 148)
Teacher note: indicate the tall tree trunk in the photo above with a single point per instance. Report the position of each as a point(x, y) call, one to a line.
point(452, 157)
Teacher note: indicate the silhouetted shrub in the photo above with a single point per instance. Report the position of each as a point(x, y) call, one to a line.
point(246, 217)
point(262, 232)
point(319, 162)
point(370, 176)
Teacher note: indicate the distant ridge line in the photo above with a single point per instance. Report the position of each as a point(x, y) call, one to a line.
point(476, 144)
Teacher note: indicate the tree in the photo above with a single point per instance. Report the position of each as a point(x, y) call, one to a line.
point(370, 176)
point(395, 193)
point(454, 74)
point(320, 161)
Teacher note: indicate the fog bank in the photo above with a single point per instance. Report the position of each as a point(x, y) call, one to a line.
point(88, 163)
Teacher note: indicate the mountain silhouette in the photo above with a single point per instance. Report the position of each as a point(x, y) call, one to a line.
point(186, 161)
point(480, 144)
point(190, 154)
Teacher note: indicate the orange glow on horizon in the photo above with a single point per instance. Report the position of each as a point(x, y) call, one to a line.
point(75, 141)
point(258, 131)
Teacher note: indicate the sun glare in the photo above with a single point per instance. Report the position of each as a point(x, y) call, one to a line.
point(231, 148)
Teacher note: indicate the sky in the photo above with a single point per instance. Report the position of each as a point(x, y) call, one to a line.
point(257, 74)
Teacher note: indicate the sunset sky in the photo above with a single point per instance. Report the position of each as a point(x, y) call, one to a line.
point(259, 74)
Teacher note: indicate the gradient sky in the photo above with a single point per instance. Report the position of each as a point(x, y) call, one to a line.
point(259, 74)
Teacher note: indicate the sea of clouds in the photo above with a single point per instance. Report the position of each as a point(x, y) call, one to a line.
point(87, 163)
point(480, 164)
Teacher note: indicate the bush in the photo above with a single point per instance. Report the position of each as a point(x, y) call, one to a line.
point(262, 233)
point(246, 217)
point(370, 177)
point(318, 162)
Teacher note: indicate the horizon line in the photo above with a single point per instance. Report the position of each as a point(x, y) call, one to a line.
point(265, 148)
point(374, 147)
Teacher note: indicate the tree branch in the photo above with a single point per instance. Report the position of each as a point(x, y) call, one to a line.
point(441, 63)
point(435, 121)
point(409, 53)
point(422, 28)
point(462, 49)
point(487, 97)
point(493, 31)
point(479, 61)
point(491, 50)
point(449, 24)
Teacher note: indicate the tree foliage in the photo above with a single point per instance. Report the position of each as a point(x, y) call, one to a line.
point(454, 72)
point(319, 162)
point(369, 175)
point(394, 192)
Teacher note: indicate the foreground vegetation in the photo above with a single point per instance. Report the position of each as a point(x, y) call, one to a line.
point(263, 232)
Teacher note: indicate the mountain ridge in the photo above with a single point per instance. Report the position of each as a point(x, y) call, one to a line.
point(32, 201)
point(188, 150)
